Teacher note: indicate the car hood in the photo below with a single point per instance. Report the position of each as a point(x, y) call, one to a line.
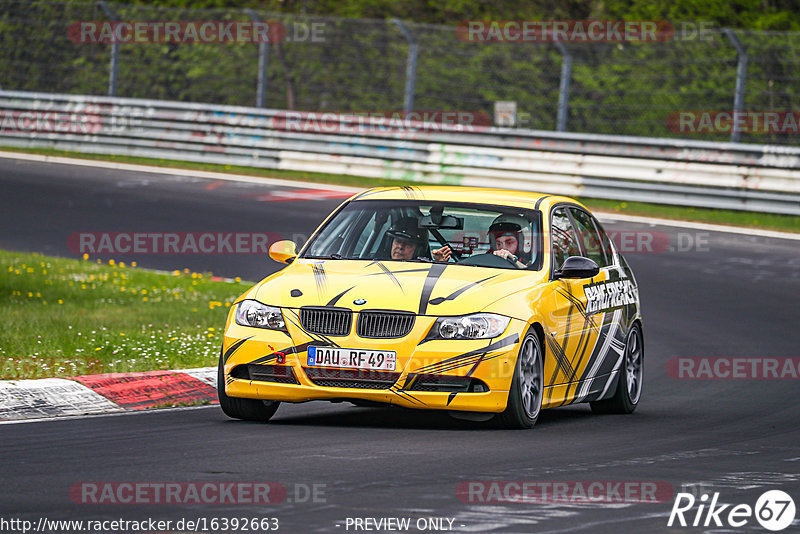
point(421, 288)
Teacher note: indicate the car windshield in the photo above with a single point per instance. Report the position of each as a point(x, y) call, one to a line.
point(419, 231)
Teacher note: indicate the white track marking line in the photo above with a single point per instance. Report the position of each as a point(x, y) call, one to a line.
point(603, 215)
point(117, 413)
point(619, 217)
point(175, 171)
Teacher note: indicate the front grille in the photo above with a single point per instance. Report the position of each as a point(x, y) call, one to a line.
point(384, 324)
point(326, 321)
point(281, 374)
point(351, 378)
point(445, 383)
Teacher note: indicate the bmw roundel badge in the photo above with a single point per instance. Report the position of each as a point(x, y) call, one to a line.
point(359, 302)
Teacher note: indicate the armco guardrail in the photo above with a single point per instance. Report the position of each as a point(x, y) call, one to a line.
point(719, 175)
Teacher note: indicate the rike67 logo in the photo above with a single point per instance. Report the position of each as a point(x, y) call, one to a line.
point(774, 510)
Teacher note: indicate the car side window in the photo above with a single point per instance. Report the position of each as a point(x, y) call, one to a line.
point(590, 239)
point(564, 240)
point(608, 250)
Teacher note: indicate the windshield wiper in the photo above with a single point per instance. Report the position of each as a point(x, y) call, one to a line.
point(334, 256)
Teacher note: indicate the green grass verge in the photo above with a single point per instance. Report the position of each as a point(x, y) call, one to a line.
point(65, 317)
point(786, 223)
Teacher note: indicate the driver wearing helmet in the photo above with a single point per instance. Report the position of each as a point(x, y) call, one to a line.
point(506, 232)
point(409, 241)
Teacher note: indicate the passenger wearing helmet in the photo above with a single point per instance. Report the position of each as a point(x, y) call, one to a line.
point(409, 241)
point(506, 233)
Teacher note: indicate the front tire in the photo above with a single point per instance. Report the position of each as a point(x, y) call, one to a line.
point(629, 380)
point(246, 409)
point(527, 386)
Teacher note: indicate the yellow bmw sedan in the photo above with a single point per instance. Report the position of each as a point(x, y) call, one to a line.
point(488, 303)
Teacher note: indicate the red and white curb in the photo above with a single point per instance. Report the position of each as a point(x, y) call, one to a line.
point(106, 393)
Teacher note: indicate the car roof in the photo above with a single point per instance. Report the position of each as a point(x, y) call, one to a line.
point(476, 195)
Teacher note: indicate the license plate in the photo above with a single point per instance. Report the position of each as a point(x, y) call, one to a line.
point(381, 360)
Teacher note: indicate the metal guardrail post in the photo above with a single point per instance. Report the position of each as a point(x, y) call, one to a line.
point(563, 89)
point(114, 67)
point(263, 63)
point(741, 79)
point(411, 66)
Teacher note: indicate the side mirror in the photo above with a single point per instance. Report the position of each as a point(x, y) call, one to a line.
point(577, 267)
point(283, 251)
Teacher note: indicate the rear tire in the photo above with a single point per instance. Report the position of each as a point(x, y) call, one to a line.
point(246, 409)
point(629, 378)
point(527, 386)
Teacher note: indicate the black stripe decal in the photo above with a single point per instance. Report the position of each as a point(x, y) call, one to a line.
point(233, 348)
point(459, 291)
point(390, 274)
point(319, 277)
point(434, 273)
point(335, 299)
point(469, 357)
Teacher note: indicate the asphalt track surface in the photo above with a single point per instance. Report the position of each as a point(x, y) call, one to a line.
point(732, 296)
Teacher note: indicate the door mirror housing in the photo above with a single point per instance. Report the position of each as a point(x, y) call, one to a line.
point(577, 267)
point(283, 251)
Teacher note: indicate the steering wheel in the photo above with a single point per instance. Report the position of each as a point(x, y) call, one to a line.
point(512, 259)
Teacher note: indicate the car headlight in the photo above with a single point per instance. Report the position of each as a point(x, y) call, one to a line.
point(253, 313)
point(475, 326)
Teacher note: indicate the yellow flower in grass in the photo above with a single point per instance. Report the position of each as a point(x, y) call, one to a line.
point(133, 264)
point(111, 262)
point(144, 299)
point(176, 272)
point(85, 256)
point(60, 301)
